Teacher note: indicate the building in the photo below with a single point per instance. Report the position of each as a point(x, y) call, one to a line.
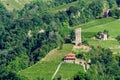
point(102, 36)
point(78, 36)
point(106, 12)
point(69, 58)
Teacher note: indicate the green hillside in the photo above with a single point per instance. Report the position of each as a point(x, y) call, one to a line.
point(114, 31)
point(67, 71)
point(46, 67)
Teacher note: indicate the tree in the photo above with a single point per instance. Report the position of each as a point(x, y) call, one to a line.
point(97, 9)
point(112, 3)
point(118, 3)
point(81, 76)
point(72, 9)
point(118, 38)
point(47, 18)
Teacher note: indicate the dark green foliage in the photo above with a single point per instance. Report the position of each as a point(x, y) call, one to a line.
point(72, 9)
point(81, 76)
point(72, 35)
point(115, 13)
point(105, 59)
point(4, 15)
point(97, 8)
point(62, 16)
point(118, 2)
point(106, 32)
point(112, 3)
point(118, 38)
point(103, 66)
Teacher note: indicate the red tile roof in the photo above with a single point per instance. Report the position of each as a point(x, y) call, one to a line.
point(70, 55)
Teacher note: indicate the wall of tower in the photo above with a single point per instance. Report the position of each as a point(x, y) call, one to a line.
point(78, 40)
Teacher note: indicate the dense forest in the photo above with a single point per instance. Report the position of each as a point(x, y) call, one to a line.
point(29, 34)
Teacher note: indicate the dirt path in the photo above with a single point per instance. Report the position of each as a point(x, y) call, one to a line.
point(56, 70)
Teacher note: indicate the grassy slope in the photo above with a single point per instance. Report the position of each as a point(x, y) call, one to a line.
point(114, 30)
point(94, 23)
point(68, 70)
point(46, 67)
point(15, 4)
point(112, 27)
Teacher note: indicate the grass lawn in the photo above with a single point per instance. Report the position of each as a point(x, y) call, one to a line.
point(112, 27)
point(114, 30)
point(40, 70)
point(103, 43)
point(68, 70)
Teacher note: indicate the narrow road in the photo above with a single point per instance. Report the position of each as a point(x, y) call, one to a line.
point(56, 71)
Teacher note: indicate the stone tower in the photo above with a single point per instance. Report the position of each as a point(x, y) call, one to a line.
point(78, 36)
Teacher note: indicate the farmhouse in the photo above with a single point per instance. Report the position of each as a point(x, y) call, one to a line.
point(69, 58)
